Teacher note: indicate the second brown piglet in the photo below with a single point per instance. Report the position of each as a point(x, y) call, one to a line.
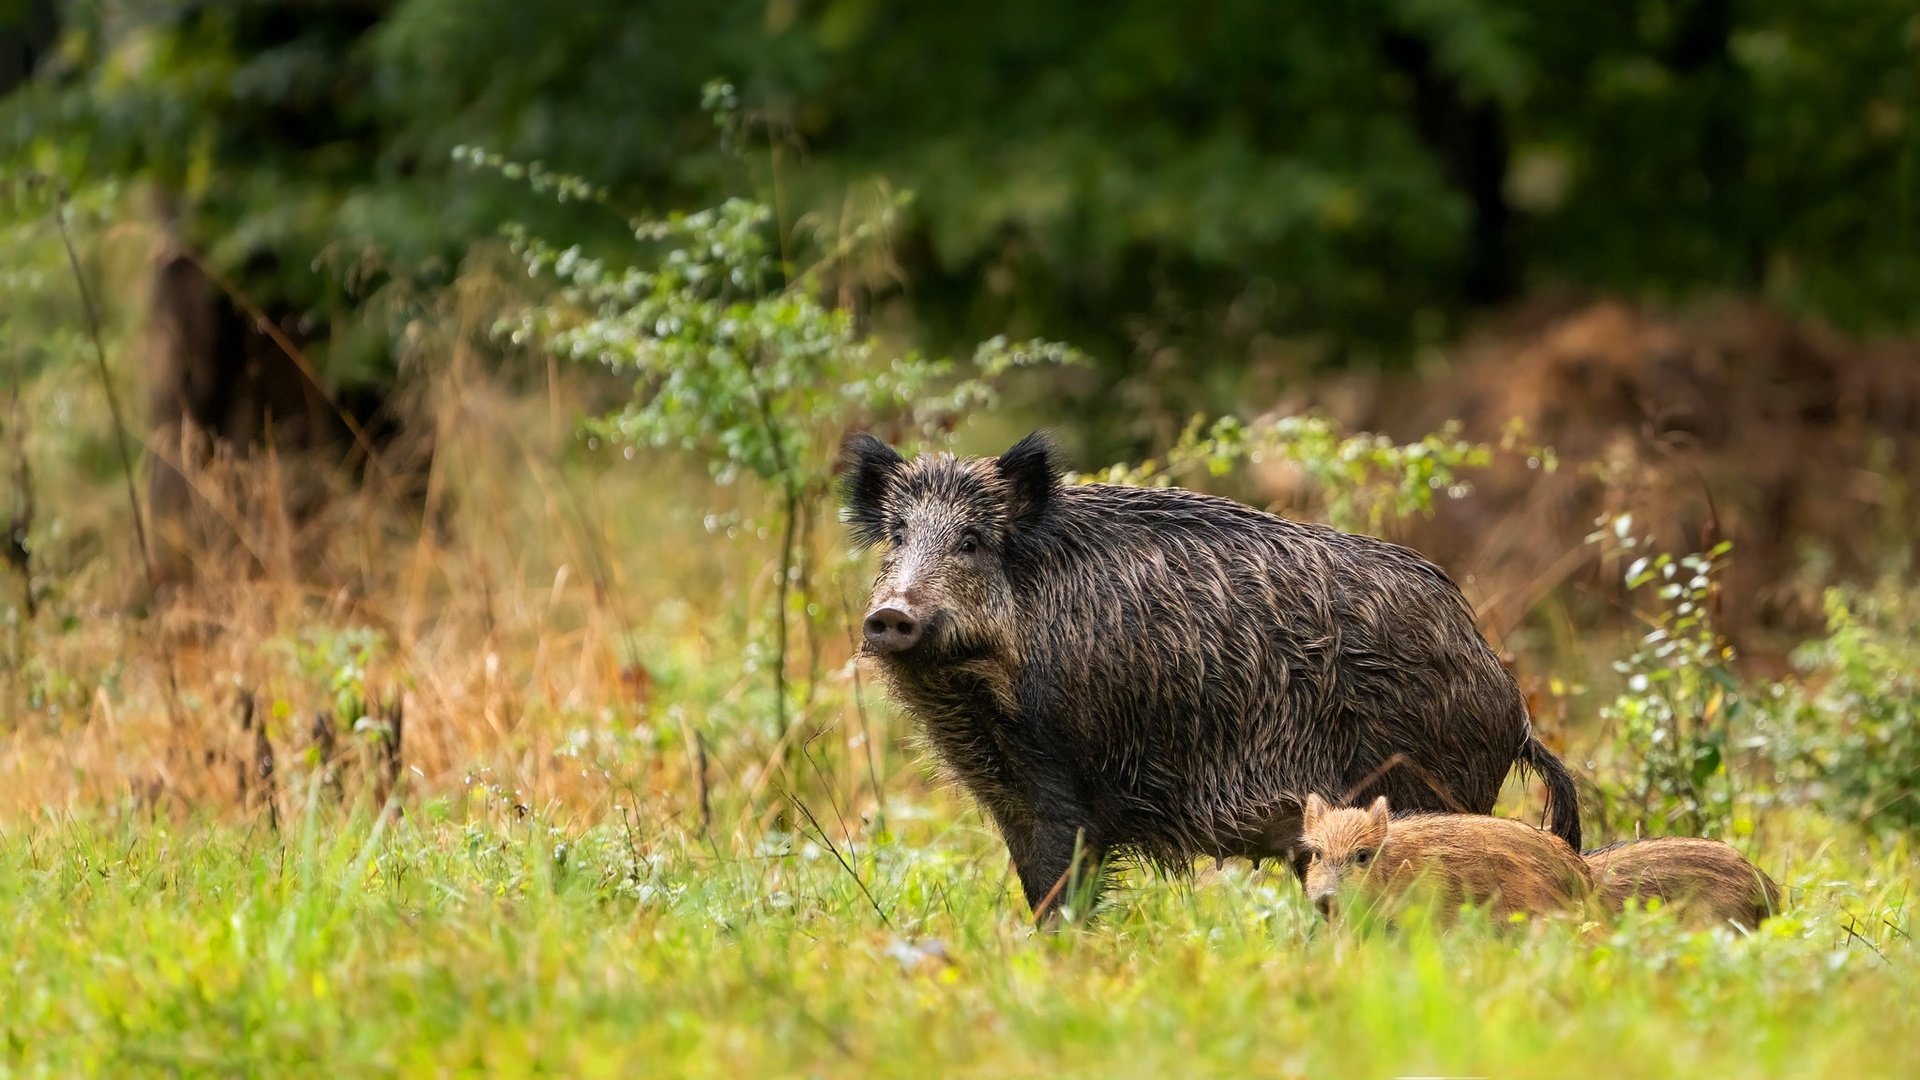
point(1707, 882)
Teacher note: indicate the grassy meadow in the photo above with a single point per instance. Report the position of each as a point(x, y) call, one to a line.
point(467, 940)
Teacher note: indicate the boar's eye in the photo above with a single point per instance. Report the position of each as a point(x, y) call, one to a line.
point(1362, 857)
point(897, 537)
point(969, 542)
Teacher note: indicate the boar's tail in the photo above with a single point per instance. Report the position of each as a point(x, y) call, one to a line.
point(1563, 801)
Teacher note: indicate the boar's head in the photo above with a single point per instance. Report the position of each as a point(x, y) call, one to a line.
point(952, 530)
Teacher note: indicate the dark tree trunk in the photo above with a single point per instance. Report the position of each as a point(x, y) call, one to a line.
point(1469, 138)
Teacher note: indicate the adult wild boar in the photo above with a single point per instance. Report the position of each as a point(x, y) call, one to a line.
point(1165, 674)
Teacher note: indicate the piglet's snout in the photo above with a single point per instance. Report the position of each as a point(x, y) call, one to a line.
point(892, 628)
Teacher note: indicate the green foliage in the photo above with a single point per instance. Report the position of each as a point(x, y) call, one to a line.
point(1681, 701)
point(338, 659)
point(42, 322)
point(1118, 174)
point(1363, 480)
point(735, 361)
point(734, 355)
point(1849, 733)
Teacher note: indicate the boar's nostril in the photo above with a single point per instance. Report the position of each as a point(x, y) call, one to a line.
point(1324, 903)
point(891, 630)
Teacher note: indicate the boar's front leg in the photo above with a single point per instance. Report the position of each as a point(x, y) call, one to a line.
point(1279, 838)
point(1060, 864)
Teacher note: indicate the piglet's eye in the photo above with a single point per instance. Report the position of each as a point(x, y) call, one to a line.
point(1362, 857)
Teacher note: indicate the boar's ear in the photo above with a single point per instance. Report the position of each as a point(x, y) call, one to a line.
point(868, 466)
point(1031, 470)
point(1315, 809)
point(1377, 813)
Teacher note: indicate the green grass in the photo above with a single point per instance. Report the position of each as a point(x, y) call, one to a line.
point(500, 946)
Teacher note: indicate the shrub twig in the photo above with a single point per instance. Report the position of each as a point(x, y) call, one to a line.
point(92, 315)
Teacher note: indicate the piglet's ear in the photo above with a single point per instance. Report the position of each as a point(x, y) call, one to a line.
point(1031, 470)
point(1315, 809)
point(867, 466)
point(1378, 811)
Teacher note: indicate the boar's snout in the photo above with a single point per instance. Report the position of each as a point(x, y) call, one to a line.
point(892, 629)
point(1323, 903)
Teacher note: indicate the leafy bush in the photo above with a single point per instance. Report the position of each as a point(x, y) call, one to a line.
point(1849, 732)
point(1363, 479)
point(737, 359)
point(1681, 700)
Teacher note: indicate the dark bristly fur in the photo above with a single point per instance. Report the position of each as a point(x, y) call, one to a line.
point(1705, 880)
point(1166, 672)
point(1504, 865)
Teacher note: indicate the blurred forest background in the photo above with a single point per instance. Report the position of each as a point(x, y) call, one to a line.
point(1672, 243)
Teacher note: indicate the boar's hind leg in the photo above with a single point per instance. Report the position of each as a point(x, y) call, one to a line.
point(1060, 865)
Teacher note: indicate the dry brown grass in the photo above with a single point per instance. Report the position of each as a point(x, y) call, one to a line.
point(523, 642)
point(1728, 422)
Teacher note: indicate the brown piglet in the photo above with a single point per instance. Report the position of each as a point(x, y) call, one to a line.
point(1706, 881)
point(1505, 865)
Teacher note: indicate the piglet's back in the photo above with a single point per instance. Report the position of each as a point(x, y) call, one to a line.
point(1706, 880)
point(1508, 865)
